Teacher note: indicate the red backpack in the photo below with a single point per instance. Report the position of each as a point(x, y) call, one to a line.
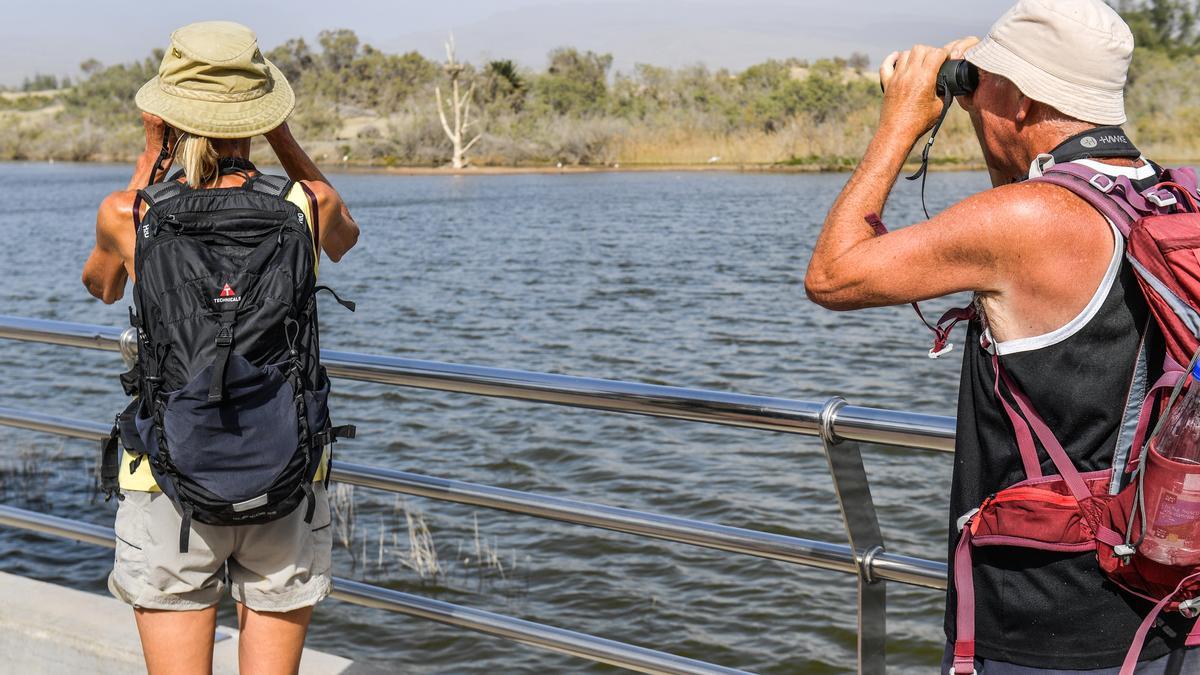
point(1075, 512)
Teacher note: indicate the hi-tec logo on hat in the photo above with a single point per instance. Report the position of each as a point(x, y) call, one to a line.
point(227, 295)
point(1088, 142)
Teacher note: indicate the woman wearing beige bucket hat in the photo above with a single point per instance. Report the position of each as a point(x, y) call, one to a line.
point(214, 92)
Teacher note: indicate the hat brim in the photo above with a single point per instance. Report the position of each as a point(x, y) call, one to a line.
point(1089, 104)
point(212, 119)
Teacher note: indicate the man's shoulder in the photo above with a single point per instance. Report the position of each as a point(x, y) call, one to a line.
point(1033, 200)
point(1034, 207)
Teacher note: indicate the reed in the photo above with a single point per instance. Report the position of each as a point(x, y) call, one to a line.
point(341, 511)
point(404, 540)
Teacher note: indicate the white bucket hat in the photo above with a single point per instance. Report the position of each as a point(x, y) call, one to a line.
point(1070, 54)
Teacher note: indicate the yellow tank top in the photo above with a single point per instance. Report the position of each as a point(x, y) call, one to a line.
point(135, 473)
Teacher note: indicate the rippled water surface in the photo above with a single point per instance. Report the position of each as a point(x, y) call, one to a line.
point(687, 279)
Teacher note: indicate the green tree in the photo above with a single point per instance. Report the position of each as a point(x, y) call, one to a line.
point(105, 95)
point(1172, 26)
point(503, 86)
point(293, 58)
point(385, 81)
point(338, 48)
point(40, 82)
point(575, 83)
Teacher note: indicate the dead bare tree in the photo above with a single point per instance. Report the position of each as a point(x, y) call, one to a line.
point(460, 109)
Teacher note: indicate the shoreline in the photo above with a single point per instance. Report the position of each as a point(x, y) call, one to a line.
point(367, 169)
point(623, 168)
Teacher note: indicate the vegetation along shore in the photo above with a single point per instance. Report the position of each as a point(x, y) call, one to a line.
point(373, 110)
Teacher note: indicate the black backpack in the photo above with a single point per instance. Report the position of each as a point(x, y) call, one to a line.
point(231, 394)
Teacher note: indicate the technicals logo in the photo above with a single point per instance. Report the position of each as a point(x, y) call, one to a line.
point(227, 295)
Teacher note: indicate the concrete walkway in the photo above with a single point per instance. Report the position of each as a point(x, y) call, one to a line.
point(46, 628)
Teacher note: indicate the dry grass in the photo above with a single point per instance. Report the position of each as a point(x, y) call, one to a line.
point(823, 145)
point(404, 540)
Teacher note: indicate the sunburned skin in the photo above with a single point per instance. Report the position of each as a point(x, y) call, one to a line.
point(110, 264)
point(1034, 254)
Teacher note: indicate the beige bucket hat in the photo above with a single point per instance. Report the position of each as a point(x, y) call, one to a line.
point(214, 82)
point(1070, 54)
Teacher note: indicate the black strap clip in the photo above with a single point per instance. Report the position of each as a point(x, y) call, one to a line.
point(216, 388)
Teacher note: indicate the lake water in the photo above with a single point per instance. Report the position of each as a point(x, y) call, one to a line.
point(689, 279)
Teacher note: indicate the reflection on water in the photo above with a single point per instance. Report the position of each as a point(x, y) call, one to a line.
point(688, 279)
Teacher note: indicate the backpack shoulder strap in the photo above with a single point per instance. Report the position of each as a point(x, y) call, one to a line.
point(1095, 189)
point(161, 192)
point(155, 193)
point(275, 186)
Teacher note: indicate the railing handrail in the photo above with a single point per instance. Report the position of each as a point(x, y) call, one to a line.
point(561, 640)
point(784, 548)
point(837, 424)
point(871, 425)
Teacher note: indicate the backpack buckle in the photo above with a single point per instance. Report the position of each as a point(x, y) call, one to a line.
point(1124, 552)
point(966, 519)
point(1161, 198)
point(1103, 183)
point(225, 336)
point(936, 353)
point(1190, 608)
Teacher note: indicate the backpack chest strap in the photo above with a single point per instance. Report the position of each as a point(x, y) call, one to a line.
point(216, 389)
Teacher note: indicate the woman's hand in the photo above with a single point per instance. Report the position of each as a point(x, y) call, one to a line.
point(148, 167)
point(155, 128)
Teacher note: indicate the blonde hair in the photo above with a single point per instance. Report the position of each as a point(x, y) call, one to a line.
point(199, 159)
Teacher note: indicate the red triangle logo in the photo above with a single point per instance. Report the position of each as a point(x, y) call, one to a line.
point(228, 291)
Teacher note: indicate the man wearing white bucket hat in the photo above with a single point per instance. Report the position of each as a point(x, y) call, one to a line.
point(1057, 313)
point(213, 93)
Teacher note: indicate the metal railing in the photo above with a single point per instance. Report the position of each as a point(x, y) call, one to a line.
point(840, 427)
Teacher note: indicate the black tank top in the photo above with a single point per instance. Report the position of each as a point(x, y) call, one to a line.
point(1039, 608)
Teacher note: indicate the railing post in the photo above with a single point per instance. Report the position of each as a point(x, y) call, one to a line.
point(129, 346)
point(866, 540)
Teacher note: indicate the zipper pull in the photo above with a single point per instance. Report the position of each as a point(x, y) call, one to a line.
point(158, 224)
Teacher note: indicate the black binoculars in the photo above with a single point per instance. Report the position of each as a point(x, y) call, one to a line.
point(957, 77)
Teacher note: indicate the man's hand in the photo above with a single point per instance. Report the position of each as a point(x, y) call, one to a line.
point(910, 102)
point(959, 48)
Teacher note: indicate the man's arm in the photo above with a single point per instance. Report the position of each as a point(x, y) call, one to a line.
point(339, 231)
point(851, 268)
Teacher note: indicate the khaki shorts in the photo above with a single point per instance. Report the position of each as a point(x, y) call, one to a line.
point(271, 567)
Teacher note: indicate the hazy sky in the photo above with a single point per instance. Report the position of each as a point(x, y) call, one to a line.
point(54, 36)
